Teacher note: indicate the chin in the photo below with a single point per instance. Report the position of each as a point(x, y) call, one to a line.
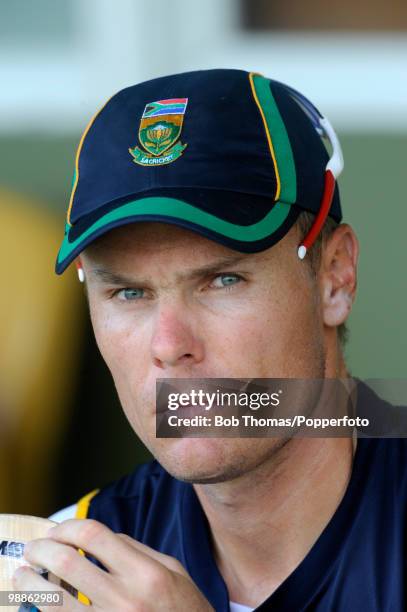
point(201, 460)
point(213, 460)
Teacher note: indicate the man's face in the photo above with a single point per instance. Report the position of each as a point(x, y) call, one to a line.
point(167, 303)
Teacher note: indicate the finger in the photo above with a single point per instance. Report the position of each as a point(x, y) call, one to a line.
point(26, 579)
point(169, 562)
point(113, 552)
point(66, 563)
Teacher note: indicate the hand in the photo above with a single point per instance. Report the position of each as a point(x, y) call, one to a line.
point(139, 579)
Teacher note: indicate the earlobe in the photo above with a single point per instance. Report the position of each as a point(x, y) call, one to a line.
point(339, 275)
point(337, 303)
point(337, 308)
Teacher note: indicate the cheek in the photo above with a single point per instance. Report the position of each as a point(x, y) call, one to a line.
point(300, 339)
point(121, 345)
point(282, 337)
point(124, 351)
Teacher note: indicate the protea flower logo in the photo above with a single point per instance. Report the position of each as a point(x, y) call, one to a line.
point(159, 138)
point(160, 128)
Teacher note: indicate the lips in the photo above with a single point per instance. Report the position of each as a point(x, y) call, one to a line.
point(180, 387)
point(185, 411)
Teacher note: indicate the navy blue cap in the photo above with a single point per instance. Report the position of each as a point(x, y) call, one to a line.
point(228, 154)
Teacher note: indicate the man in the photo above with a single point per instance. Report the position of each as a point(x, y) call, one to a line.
point(207, 253)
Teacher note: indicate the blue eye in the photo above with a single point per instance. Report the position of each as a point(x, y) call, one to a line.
point(226, 280)
point(128, 295)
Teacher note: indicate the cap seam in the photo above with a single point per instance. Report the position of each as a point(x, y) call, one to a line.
point(78, 152)
point(268, 135)
point(282, 144)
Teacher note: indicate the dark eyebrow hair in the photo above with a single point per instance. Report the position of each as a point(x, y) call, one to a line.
point(113, 278)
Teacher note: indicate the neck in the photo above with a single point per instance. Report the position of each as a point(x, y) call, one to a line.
point(258, 540)
point(264, 523)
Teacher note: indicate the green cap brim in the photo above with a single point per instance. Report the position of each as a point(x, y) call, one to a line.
point(177, 212)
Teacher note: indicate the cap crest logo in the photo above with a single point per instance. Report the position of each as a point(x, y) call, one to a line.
point(160, 128)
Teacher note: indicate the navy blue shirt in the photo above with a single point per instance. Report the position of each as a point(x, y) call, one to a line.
point(357, 563)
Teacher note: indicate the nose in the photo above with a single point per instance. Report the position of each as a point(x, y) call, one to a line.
point(175, 340)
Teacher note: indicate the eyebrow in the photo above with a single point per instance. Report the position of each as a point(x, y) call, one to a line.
point(105, 275)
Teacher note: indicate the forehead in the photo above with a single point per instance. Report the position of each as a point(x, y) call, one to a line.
point(149, 236)
point(149, 241)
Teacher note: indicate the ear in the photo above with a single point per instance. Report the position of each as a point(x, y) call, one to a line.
point(338, 275)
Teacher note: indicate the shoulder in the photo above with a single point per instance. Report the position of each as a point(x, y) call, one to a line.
point(385, 438)
point(384, 420)
point(144, 481)
point(127, 503)
point(139, 504)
